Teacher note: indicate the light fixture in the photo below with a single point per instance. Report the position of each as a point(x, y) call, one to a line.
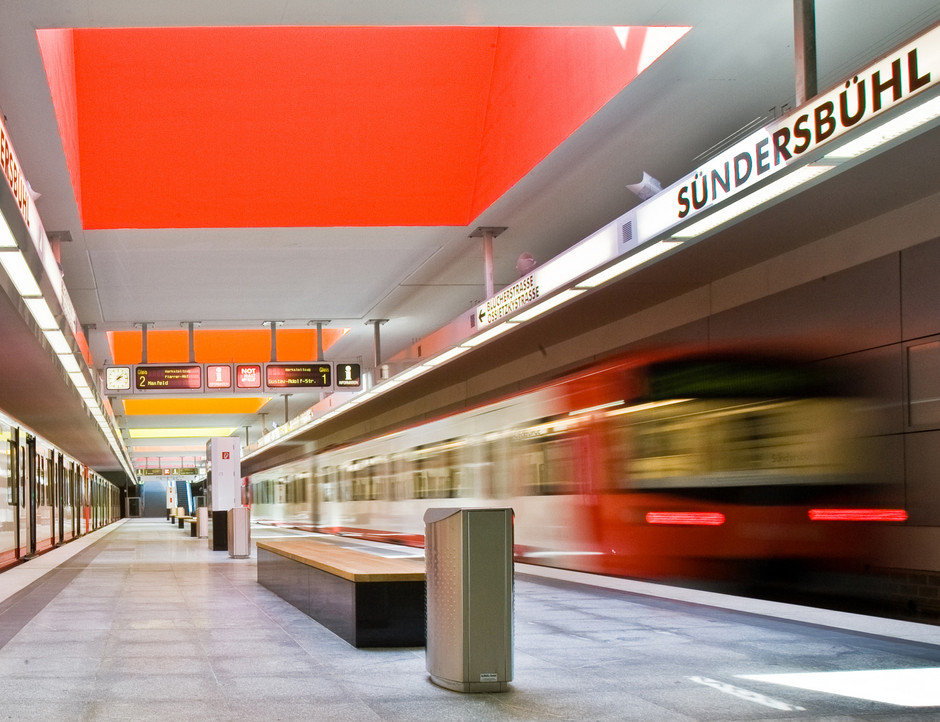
point(19, 272)
point(69, 363)
point(486, 335)
point(762, 195)
point(6, 235)
point(180, 433)
point(887, 132)
point(628, 263)
point(412, 372)
point(546, 306)
point(41, 312)
point(58, 341)
point(583, 257)
point(446, 356)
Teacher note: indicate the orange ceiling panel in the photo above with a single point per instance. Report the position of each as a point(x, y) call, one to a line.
point(192, 406)
point(224, 346)
point(322, 126)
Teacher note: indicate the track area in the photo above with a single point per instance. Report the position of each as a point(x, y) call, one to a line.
point(149, 623)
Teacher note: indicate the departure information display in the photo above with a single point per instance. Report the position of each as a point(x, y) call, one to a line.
point(295, 376)
point(238, 378)
point(186, 377)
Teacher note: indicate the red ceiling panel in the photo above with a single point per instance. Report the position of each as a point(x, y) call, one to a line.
point(321, 126)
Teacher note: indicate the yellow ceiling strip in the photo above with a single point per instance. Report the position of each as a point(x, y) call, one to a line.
point(186, 433)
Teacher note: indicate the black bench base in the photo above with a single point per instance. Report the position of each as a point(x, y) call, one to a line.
point(365, 614)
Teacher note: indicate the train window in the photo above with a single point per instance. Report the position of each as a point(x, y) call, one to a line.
point(23, 473)
point(345, 484)
point(326, 483)
point(420, 484)
point(363, 487)
point(559, 470)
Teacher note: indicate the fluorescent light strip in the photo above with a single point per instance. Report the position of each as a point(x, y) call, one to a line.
point(629, 263)
point(180, 433)
point(894, 128)
point(578, 260)
point(58, 341)
point(78, 378)
point(486, 335)
point(6, 235)
point(19, 272)
point(41, 312)
point(755, 199)
point(411, 373)
point(69, 363)
point(447, 356)
point(546, 306)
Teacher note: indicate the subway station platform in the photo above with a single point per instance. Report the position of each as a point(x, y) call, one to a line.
point(142, 621)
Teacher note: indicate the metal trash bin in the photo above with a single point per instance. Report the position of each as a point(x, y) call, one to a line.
point(202, 522)
point(469, 577)
point(239, 532)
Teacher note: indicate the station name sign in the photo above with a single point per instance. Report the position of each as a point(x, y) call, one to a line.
point(912, 70)
point(14, 174)
point(231, 377)
point(882, 86)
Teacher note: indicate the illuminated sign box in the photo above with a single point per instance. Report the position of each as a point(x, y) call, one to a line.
point(248, 376)
point(348, 376)
point(279, 376)
point(176, 377)
point(218, 376)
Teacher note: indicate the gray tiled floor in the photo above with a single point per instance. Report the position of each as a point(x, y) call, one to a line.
point(148, 623)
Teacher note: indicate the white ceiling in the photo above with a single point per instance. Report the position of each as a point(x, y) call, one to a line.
point(733, 69)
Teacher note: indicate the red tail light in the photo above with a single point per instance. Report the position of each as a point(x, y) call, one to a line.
point(688, 518)
point(858, 515)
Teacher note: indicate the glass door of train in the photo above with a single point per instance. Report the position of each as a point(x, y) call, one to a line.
point(10, 516)
point(28, 497)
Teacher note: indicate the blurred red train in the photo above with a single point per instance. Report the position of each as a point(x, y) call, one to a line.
point(670, 467)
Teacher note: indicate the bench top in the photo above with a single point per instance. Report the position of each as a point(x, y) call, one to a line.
point(356, 566)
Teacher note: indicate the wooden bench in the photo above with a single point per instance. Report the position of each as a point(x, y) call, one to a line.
point(366, 599)
point(191, 520)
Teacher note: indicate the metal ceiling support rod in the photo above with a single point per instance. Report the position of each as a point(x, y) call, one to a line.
point(319, 325)
point(804, 46)
point(273, 340)
point(488, 262)
point(376, 322)
point(192, 339)
point(286, 414)
point(143, 340)
point(488, 233)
